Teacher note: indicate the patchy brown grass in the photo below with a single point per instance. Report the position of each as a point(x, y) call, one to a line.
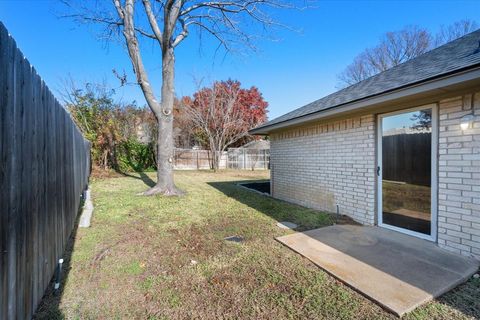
point(165, 258)
point(409, 196)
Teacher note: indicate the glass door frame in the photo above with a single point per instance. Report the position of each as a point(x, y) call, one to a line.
point(434, 170)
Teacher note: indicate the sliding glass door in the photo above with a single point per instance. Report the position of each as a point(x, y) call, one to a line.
point(407, 171)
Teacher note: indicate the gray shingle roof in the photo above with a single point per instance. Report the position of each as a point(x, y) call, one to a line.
point(454, 56)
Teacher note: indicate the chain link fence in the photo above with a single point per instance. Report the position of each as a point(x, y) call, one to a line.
point(253, 159)
point(234, 158)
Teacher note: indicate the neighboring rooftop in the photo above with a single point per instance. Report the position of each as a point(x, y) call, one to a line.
point(458, 55)
point(257, 144)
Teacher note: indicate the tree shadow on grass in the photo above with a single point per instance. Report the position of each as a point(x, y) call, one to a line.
point(141, 176)
point(138, 169)
point(49, 306)
point(279, 210)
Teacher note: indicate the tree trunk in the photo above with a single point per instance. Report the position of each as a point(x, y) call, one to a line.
point(165, 184)
point(214, 159)
point(105, 160)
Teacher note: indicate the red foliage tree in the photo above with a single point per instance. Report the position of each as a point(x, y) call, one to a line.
point(223, 113)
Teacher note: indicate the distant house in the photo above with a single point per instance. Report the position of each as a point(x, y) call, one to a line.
point(400, 150)
point(257, 145)
point(144, 134)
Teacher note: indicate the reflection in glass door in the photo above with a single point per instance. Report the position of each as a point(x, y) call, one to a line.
point(405, 171)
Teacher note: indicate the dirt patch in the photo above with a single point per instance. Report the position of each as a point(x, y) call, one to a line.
point(100, 173)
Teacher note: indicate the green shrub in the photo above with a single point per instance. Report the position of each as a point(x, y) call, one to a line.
point(135, 156)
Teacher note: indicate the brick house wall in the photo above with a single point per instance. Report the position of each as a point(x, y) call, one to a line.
point(459, 176)
point(322, 165)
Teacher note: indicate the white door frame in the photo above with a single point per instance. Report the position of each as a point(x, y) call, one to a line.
point(434, 181)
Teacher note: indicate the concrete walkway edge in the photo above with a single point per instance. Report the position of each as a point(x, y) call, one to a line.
point(87, 211)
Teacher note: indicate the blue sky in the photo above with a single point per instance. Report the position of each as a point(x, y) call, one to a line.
point(297, 69)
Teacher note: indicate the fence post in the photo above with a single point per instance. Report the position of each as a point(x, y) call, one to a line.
point(244, 160)
point(198, 167)
point(264, 159)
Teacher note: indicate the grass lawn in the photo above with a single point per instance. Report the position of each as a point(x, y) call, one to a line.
point(165, 258)
point(408, 196)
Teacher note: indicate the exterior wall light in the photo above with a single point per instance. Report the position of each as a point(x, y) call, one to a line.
point(466, 121)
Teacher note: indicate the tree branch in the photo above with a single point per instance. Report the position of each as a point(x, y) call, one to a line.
point(108, 22)
point(135, 56)
point(182, 35)
point(152, 20)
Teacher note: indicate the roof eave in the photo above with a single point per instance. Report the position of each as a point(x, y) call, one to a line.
point(472, 74)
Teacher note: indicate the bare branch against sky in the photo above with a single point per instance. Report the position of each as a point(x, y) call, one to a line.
point(397, 47)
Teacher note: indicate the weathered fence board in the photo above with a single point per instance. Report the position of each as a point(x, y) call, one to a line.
point(406, 158)
point(44, 167)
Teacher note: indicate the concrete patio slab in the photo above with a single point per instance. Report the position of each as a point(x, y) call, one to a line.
point(397, 271)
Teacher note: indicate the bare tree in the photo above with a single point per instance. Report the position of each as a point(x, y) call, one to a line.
point(394, 48)
point(254, 157)
point(357, 71)
point(168, 23)
point(455, 31)
point(216, 113)
point(398, 47)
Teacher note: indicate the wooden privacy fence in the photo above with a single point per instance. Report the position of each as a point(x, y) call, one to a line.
point(44, 167)
point(407, 158)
